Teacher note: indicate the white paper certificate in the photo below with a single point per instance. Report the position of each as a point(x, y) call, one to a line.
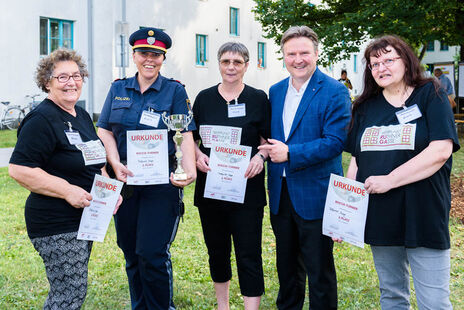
point(345, 210)
point(96, 217)
point(226, 179)
point(220, 134)
point(147, 157)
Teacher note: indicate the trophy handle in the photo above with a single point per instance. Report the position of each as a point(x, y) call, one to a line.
point(166, 120)
point(188, 119)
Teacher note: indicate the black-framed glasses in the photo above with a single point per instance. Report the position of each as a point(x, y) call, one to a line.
point(63, 78)
point(387, 63)
point(235, 62)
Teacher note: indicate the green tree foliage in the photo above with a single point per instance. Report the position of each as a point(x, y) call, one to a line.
point(342, 25)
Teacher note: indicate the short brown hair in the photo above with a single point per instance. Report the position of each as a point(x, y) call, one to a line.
point(299, 31)
point(47, 65)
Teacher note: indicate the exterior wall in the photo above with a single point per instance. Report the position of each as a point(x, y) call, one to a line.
point(182, 20)
point(19, 52)
point(440, 56)
point(19, 46)
point(209, 18)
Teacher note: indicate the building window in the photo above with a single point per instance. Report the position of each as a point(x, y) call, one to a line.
point(261, 55)
point(55, 33)
point(355, 63)
point(430, 46)
point(443, 47)
point(202, 56)
point(234, 21)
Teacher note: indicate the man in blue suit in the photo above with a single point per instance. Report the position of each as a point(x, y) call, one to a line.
point(310, 115)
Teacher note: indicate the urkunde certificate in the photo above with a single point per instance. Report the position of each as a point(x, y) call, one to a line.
point(226, 179)
point(147, 157)
point(345, 210)
point(96, 217)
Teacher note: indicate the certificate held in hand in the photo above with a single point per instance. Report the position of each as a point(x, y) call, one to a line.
point(96, 217)
point(147, 157)
point(345, 210)
point(226, 179)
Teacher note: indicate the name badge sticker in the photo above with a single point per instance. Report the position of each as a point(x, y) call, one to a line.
point(73, 137)
point(236, 110)
point(150, 118)
point(408, 114)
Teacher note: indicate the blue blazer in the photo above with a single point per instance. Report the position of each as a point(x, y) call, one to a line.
point(315, 143)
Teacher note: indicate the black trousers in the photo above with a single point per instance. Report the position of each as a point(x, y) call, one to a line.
point(243, 225)
point(146, 225)
point(303, 250)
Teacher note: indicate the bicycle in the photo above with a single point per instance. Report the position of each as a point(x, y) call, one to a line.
point(12, 116)
point(31, 105)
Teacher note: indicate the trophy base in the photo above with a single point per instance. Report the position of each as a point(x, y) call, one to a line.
point(180, 176)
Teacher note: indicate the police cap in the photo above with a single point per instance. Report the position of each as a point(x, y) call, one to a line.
point(150, 40)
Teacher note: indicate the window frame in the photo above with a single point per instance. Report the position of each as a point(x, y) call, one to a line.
point(443, 47)
point(355, 63)
point(262, 55)
point(234, 21)
point(60, 38)
point(201, 45)
point(429, 48)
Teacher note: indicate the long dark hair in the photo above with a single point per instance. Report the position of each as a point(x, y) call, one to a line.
point(413, 76)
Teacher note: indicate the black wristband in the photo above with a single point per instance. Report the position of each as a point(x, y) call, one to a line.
point(262, 157)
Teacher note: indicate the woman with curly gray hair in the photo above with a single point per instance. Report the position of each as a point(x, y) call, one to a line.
point(48, 161)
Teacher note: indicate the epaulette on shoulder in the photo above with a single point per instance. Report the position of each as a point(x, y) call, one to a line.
point(119, 80)
point(173, 80)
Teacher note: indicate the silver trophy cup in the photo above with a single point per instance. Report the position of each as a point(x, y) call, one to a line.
point(178, 122)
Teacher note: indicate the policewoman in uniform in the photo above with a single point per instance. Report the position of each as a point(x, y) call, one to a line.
point(148, 218)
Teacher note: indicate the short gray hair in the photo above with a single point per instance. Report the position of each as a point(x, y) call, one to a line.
point(234, 47)
point(297, 32)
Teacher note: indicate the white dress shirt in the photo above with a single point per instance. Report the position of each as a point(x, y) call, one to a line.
point(292, 101)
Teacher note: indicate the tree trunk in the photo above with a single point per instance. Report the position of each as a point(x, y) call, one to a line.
point(422, 52)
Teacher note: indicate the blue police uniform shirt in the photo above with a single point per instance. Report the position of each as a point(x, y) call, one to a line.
point(446, 84)
point(125, 104)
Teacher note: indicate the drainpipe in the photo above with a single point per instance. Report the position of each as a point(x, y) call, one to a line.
point(90, 57)
point(123, 40)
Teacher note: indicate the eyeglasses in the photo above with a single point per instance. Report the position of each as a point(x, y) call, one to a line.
point(63, 78)
point(387, 63)
point(235, 62)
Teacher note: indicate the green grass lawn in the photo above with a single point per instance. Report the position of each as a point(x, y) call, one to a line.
point(23, 284)
point(7, 138)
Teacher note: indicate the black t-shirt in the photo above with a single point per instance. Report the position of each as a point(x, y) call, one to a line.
point(417, 214)
point(42, 143)
point(210, 108)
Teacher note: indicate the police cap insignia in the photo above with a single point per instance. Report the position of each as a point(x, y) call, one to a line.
point(151, 40)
